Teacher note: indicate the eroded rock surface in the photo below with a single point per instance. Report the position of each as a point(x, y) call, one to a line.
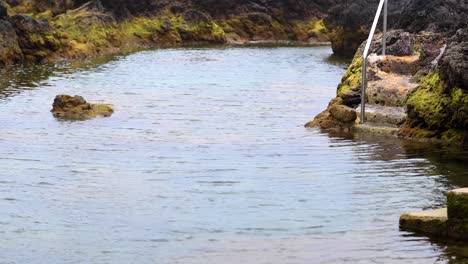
point(76, 108)
point(422, 94)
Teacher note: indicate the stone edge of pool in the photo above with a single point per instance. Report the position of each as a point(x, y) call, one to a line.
point(450, 222)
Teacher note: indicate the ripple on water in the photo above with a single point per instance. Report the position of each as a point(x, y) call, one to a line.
point(206, 161)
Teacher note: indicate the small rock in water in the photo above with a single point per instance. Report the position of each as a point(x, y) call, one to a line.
point(76, 108)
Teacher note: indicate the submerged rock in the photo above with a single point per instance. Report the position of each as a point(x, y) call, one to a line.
point(76, 108)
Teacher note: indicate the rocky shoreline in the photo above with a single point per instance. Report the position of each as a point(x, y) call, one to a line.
point(43, 31)
point(421, 93)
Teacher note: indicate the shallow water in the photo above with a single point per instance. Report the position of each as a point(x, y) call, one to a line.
point(206, 160)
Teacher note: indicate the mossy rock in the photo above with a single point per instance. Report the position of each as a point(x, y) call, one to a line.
point(352, 80)
point(76, 108)
point(433, 222)
point(437, 106)
point(343, 113)
point(457, 204)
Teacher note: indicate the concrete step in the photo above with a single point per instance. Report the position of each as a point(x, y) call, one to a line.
point(450, 222)
point(383, 116)
point(431, 222)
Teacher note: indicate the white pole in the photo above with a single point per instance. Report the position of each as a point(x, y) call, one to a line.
point(384, 35)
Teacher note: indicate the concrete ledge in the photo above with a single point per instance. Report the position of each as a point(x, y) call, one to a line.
point(450, 222)
point(432, 222)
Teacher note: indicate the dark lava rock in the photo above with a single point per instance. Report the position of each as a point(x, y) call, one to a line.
point(9, 48)
point(76, 108)
point(193, 16)
point(403, 45)
point(445, 16)
point(350, 22)
point(35, 37)
point(3, 10)
point(454, 63)
point(351, 98)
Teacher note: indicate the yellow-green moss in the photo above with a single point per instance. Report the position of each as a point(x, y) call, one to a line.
point(206, 31)
point(246, 28)
point(24, 7)
point(437, 106)
point(352, 79)
point(314, 28)
point(142, 27)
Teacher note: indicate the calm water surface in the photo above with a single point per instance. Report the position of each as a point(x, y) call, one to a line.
point(206, 160)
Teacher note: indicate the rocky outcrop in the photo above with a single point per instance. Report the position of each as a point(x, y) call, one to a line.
point(76, 108)
point(454, 63)
point(54, 29)
point(349, 21)
point(36, 38)
point(441, 16)
point(423, 95)
point(10, 50)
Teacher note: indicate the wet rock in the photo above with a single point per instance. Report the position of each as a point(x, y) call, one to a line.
point(76, 108)
point(343, 113)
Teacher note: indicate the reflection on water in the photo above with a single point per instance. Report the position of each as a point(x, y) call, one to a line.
point(206, 161)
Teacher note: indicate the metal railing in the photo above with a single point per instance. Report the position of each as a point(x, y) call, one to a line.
point(383, 5)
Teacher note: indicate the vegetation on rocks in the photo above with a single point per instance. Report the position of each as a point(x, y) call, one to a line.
point(437, 103)
point(75, 108)
point(50, 30)
point(437, 107)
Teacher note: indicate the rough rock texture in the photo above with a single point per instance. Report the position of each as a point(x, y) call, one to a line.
point(445, 16)
point(10, 50)
point(54, 29)
point(440, 104)
point(430, 84)
point(454, 63)
point(350, 21)
point(35, 37)
point(76, 108)
point(343, 113)
point(3, 10)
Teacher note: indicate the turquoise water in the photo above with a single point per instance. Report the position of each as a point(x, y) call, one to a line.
point(206, 160)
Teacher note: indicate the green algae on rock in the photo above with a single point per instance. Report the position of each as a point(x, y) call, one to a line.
point(433, 222)
point(427, 86)
point(52, 30)
point(68, 107)
point(450, 222)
